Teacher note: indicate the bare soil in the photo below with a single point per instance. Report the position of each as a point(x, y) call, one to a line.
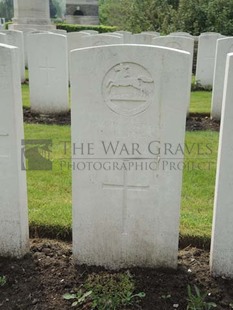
point(194, 121)
point(38, 281)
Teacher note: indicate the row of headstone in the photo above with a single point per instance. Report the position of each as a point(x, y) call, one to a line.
point(181, 41)
point(51, 75)
point(120, 94)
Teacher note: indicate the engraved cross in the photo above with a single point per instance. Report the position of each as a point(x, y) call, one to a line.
point(48, 70)
point(125, 187)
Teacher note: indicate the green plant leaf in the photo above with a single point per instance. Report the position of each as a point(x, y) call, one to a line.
point(69, 296)
point(74, 304)
point(84, 296)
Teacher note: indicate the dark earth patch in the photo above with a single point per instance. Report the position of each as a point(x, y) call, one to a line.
point(39, 281)
point(194, 121)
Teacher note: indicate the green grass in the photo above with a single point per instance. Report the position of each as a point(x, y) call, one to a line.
point(49, 192)
point(199, 183)
point(200, 102)
point(25, 96)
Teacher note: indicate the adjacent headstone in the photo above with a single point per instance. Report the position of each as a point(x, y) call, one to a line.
point(3, 39)
point(59, 31)
point(73, 39)
point(98, 40)
point(142, 38)
point(221, 259)
point(126, 94)
point(15, 38)
point(25, 31)
point(126, 35)
point(48, 73)
point(180, 43)
point(14, 231)
point(154, 33)
point(224, 46)
point(181, 34)
point(206, 58)
point(89, 31)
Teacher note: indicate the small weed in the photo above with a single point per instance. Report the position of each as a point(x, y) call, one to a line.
point(197, 301)
point(196, 86)
point(105, 292)
point(2, 281)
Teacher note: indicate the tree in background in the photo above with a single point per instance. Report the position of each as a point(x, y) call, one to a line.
point(139, 15)
point(153, 15)
point(6, 9)
point(220, 16)
point(192, 16)
point(115, 13)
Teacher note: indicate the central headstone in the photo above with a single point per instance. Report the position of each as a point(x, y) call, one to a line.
point(32, 14)
point(125, 205)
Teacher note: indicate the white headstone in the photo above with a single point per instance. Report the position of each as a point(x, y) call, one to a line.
point(224, 46)
point(222, 243)
point(14, 232)
point(206, 58)
point(73, 39)
point(25, 34)
point(180, 43)
point(3, 39)
point(126, 94)
point(98, 40)
point(142, 38)
point(181, 34)
point(59, 31)
point(15, 38)
point(126, 35)
point(154, 33)
point(89, 31)
point(48, 73)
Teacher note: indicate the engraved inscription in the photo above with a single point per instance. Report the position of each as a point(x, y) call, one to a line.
point(49, 70)
point(128, 89)
point(125, 187)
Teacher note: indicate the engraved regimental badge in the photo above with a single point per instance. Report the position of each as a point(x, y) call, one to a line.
point(128, 89)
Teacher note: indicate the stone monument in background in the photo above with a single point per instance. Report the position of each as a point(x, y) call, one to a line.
point(32, 14)
point(84, 12)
